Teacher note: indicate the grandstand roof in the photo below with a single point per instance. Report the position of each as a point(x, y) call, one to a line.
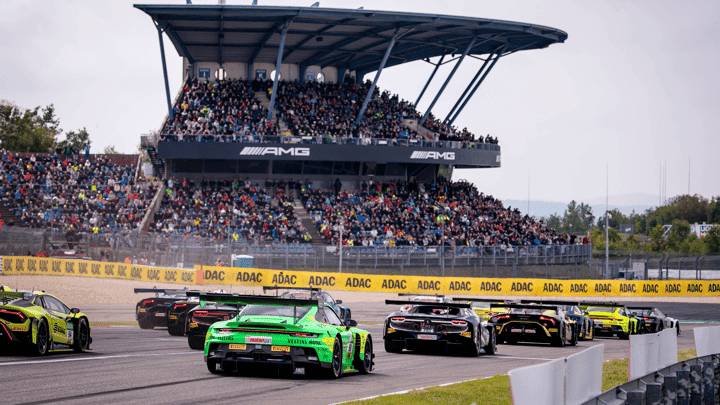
point(354, 39)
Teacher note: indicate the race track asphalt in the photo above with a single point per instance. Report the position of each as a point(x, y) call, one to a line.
point(134, 366)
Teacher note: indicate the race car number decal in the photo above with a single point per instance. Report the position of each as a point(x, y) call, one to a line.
point(280, 348)
point(237, 347)
point(266, 340)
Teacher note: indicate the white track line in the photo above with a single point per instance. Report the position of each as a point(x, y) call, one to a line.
point(16, 363)
point(411, 389)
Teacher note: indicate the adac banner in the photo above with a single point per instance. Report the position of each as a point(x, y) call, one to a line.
point(85, 268)
point(454, 285)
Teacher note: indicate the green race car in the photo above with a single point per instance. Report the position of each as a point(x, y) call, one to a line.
point(613, 319)
point(42, 322)
point(298, 334)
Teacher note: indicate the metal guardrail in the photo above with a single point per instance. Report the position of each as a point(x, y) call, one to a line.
point(148, 140)
point(690, 382)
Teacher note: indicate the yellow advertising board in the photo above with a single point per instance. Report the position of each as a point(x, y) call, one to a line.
point(363, 282)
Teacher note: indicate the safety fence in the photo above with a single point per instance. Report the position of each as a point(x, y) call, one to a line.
point(360, 282)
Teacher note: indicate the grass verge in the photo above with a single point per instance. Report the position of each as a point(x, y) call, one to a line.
point(495, 390)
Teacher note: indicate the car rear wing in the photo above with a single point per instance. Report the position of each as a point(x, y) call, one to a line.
point(526, 306)
point(602, 304)
point(551, 302)
point(428, 304)
point(481, 300)
point(641, 308)
point(276, 289)
point(166, 291)
point(254, 299)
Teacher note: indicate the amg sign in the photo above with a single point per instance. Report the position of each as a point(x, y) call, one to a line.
point(276, 151)
point(432, 155)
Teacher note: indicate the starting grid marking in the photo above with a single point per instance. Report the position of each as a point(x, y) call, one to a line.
point(121, 356)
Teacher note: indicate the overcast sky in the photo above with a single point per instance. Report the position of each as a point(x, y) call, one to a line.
point(635, 84)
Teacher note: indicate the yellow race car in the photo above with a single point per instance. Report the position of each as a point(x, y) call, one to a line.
point(613, 319)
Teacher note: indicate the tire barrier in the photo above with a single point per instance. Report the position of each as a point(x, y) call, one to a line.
point(363, 282)
point(690, 382)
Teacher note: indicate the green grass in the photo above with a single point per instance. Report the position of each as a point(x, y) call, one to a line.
point(495, 390)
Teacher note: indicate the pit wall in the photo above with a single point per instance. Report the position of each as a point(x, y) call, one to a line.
point(361, 282)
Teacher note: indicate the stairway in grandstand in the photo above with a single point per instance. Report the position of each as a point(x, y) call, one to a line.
point(265, 101)
point(413, 124)
point(9, 217)
point(308, 223)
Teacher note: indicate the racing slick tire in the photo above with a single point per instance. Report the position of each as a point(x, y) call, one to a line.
point(624, 336)
point(212, 366)
point(145, 324)
point(473, 348)
point(42, 339)
point(336, 363)
point(391, 347)
point(176, 330)
point(560, 341)
point(81, 342)
point(491, 347)
point(591, 331)
point(677, 326)
point(196, 342)
point(574, 340)
point(365, 364)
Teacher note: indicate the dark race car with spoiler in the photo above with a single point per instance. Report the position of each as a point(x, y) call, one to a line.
point(177, 315)
point(295, 334)
point(585, 325)
point(655, 320)
point(312, 293)
point(152, 312)
point(202, 316)
point(439, 326)
point(535, 323)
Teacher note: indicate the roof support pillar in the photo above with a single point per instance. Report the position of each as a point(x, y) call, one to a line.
point(167, 85)
point(452, 73)
point(303, 70)
point(276, 79)
point(477, 85)
point(377, 76)
point(437, 66)
point(341, 79)
point(469, 86)
point(250, 75)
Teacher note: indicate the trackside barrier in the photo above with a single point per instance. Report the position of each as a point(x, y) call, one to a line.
point(84, 268)
point(707, 340)
point(651, 352)
point(363, 282)
point(690, 382)
point(565, 381)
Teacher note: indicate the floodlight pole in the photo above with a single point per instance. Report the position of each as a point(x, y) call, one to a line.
point(167, 85)
point(477, 85)
point(377, 76)
point(437, 66)
point(452, 73)
point(276, 79)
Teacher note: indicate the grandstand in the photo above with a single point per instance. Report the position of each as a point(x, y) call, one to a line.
point(316, 159)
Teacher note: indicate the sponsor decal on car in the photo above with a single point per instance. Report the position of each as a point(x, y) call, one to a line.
point(19, 328)
point(159, 314)
point(237, 347)
point(193, 324)
point(285, 349)
point(266, 340)
point(142, 310)
point(427, 337)
point(552, 329)
point(173, 317)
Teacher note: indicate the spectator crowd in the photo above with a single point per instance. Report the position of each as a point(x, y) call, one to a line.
point(64, 192)
point(229, 111)
point(222, 209)
point(422, 214)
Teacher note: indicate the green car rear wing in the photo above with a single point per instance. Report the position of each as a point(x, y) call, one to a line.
point(276, 289)
point(255, 300)
point(7, 296)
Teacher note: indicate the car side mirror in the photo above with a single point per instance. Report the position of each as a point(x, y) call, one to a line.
point(338, 301)
point(75, 310)
point(351, 323)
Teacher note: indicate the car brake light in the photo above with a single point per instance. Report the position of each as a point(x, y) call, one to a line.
point(304, 334)
point(398, 319)
point(16, 313)
point(645, 319)
point(200, 313)
point(503, 317)
point(545, 318)
point(148, 302)
point(457, 322)
point(180, 305)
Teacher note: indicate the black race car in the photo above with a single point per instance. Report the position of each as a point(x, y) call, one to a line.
point(202, 316)
point(177, 315)
point(535, 323)
point(655, 320)
point(152, 312)
point(309, 293)
point(572, 309)
point(438, 325)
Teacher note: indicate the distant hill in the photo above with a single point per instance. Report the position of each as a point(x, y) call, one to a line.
point(625, 203)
